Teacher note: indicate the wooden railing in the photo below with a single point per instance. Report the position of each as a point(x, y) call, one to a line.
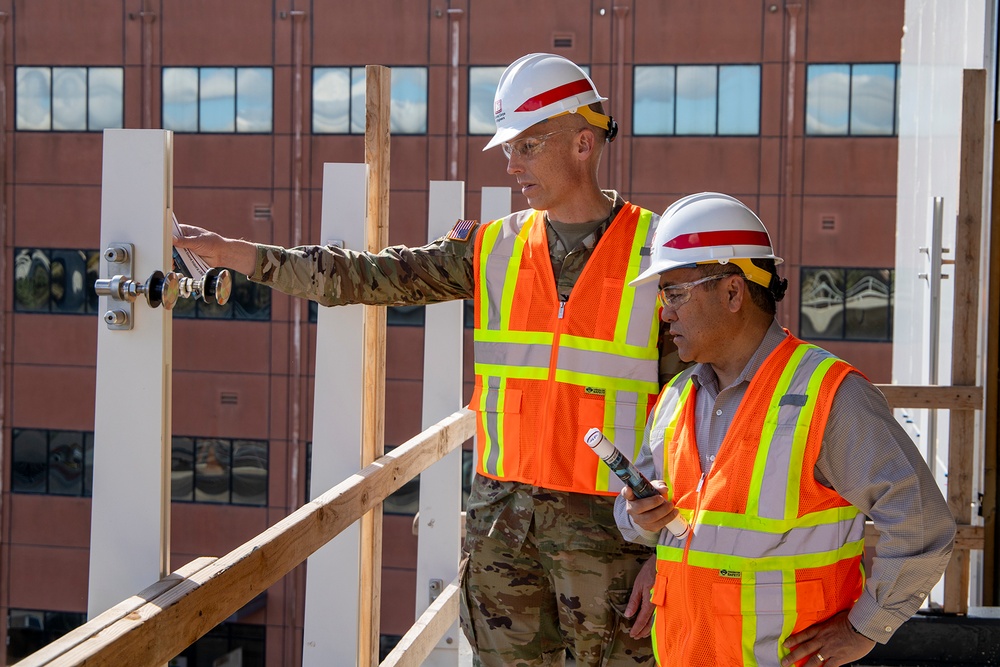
point(158, 623)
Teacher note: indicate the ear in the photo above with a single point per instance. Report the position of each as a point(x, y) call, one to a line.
point(736, 292)
point(586, 142)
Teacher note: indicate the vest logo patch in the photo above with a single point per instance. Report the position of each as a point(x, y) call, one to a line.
point(730, 574)
point(594, 391)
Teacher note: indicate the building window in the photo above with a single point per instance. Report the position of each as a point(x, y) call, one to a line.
point(248, 301)
point(31, 630)
point(339, 100)
point(721, 100)
point(69, 99)
point(406, 499)
point(49, 280)
point(855, 100)
point(59, 463)
point(218, 99)
point(219, 470)
point(226, 644)
point(483, 83)
point(846, 304)
point(395, 316)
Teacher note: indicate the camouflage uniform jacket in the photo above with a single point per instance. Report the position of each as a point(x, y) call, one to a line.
point(442, 271)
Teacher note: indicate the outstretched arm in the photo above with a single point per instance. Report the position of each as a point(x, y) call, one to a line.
point(216, 250)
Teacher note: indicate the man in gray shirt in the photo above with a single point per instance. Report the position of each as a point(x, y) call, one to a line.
point(774, 451)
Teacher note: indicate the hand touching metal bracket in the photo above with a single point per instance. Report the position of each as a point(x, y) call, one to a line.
point(159, 289)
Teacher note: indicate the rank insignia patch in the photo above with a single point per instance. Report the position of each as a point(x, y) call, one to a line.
point(462, 229)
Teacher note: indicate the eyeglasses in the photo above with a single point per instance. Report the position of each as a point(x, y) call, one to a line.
point(675, 296)
point(529, 147)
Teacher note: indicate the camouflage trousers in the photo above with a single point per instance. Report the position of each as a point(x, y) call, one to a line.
point(525, 603)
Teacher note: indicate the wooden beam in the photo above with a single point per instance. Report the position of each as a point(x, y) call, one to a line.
point(965, 325)
point(157, 631)
point(933, 396)
point(377, 80)
point(423, 636)
point(966, 537)
point(104, 620)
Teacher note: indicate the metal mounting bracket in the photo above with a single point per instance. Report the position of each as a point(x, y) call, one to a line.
point(120, 257)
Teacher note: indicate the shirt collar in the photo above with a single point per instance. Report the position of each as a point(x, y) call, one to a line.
point(705, 375)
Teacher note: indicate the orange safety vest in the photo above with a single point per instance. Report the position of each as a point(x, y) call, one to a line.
point(547, 371)
point(771, 551)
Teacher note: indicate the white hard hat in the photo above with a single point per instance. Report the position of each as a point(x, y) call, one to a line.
point(709, 227)
point(539, 86)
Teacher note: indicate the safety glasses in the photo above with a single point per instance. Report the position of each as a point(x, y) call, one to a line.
point(529, 147)
point(675, 296)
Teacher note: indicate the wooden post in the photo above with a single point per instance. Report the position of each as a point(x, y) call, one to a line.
point(377, 79)
point(962, 424)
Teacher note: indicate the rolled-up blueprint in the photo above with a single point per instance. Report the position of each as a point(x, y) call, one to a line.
point(627, 473)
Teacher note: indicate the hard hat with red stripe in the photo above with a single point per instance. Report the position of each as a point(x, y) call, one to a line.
point(709, 227)
point(540, 86)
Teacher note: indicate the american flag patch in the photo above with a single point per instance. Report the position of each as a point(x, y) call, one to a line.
point(462, 229)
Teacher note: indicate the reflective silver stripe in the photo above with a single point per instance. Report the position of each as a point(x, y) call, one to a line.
point(593, 362)
point(768, 598)
point(644, 305)
point(774, 487)
point(626, 417)
point(496, 266)
point(512, 354)
point(747, 543)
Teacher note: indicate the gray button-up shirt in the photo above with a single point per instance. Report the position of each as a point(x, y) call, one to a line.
point(869, 460)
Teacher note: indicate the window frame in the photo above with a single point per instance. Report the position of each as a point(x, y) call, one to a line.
point(88, 98)
point(848, 132)
point(199, 70)
point(805, 275)
point(719, 111)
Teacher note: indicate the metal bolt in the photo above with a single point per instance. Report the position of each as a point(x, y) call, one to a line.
point(116, 317)
point(116, 255)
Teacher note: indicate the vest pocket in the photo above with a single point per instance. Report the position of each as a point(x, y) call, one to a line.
point(769, 604)
point(499, 430)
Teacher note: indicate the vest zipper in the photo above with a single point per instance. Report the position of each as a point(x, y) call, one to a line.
point(549, 424)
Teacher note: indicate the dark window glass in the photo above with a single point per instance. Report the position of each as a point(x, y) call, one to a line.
point(248, 301)
point(241, 643)
point(212, 464)
point(250, 467)
point(69, 99)
point(182, 468)
point(218, 99)
point(30, 465)
point(856, 100)
point(53, 462)
point(66, 463)
point(219, 470)
point(51, 280)
point(846, 304)
point(30, 630)
point(396, 316)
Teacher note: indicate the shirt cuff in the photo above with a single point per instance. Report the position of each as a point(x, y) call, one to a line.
point(872, 621)
point(266, 255)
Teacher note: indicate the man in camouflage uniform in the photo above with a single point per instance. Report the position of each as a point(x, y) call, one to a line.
point(546, 570)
